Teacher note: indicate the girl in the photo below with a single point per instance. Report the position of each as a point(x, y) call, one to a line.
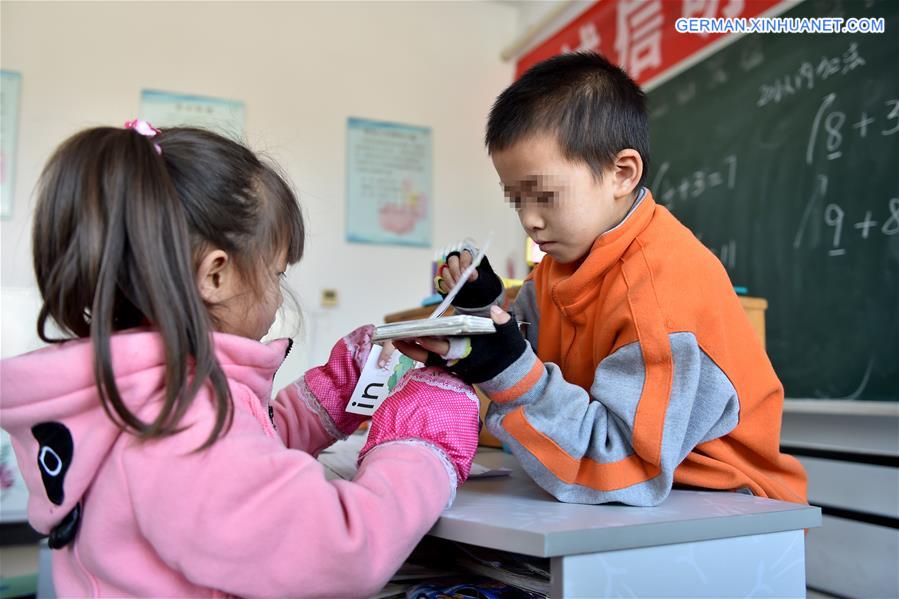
point(155, 460)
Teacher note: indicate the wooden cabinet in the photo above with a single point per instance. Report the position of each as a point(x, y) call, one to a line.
point(755, 309)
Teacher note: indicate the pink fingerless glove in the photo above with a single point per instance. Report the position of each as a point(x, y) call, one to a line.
point(332, 384)
point(433, 406)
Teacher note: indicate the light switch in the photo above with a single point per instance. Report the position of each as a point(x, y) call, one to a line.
point(329, 298)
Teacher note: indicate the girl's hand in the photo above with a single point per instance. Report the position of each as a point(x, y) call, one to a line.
point(418, 348)
point(387, 349)
point(332, 383)
point(435, 407)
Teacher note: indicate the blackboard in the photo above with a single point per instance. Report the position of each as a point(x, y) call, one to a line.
point(781, 153)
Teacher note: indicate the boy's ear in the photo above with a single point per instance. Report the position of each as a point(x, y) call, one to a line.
point(214, 276)
point(627, 172)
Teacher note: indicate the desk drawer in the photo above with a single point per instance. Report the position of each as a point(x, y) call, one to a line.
point(859, 487)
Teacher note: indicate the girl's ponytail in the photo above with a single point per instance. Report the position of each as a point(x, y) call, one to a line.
point(113, 250)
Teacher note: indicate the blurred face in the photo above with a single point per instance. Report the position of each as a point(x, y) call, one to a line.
point(561, 204)
point(254, 311)
point(239, 307)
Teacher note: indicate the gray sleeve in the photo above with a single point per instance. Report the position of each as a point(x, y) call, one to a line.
point(576, 445)
point(525, 310)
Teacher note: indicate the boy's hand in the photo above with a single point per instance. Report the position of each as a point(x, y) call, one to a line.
point(482, 287)
point(485, 357)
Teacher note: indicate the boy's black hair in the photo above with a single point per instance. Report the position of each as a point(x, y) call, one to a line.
point(592, 106)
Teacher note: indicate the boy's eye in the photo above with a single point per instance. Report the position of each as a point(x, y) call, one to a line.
point(541, 198)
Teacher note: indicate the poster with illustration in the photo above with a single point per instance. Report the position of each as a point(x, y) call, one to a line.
point(10, 92)
point(388, 183)
point(165, 109)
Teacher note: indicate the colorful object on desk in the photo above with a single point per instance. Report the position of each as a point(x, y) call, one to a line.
point(532, 252)
point(741, 290)
point(432, 300)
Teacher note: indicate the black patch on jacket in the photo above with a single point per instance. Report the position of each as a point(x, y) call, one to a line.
point(64, 532)
point(54, 457)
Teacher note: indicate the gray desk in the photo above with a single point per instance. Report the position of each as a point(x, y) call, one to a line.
point(695, 544)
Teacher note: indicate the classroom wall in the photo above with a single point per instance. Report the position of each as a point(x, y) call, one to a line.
point(301, 68)
point(551, 14)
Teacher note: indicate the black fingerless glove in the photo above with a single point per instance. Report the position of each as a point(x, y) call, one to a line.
point(489, 356)
point(481, 292)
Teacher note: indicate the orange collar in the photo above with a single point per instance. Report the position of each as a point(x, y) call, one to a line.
point(570, 285)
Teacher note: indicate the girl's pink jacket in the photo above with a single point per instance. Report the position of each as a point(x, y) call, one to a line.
point(252, 516)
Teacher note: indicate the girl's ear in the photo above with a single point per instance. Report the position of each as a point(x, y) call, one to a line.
point(215, 277)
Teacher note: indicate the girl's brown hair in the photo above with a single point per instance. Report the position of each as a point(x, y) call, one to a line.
point(118, 231)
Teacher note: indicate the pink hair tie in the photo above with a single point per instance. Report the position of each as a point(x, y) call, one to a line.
point(145, 129)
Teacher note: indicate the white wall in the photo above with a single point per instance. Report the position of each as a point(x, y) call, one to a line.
point(302, 69)
point(548, 16)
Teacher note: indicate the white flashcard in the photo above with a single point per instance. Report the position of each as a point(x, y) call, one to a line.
point(376, 383)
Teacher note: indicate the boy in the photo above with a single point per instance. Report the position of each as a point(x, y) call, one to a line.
point(647, 372)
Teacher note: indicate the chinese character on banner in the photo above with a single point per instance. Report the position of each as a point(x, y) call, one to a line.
point(639, 39)
point(639, 35)
point(589, 37)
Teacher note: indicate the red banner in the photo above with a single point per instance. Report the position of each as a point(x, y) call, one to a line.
point(639, 35)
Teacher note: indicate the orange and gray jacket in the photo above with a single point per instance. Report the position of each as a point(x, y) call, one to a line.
point(642, 372)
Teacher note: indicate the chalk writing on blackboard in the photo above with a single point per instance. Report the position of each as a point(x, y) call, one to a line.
point(696, 183)
point(835, 217)
point(807, 74)
point(833, 121)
